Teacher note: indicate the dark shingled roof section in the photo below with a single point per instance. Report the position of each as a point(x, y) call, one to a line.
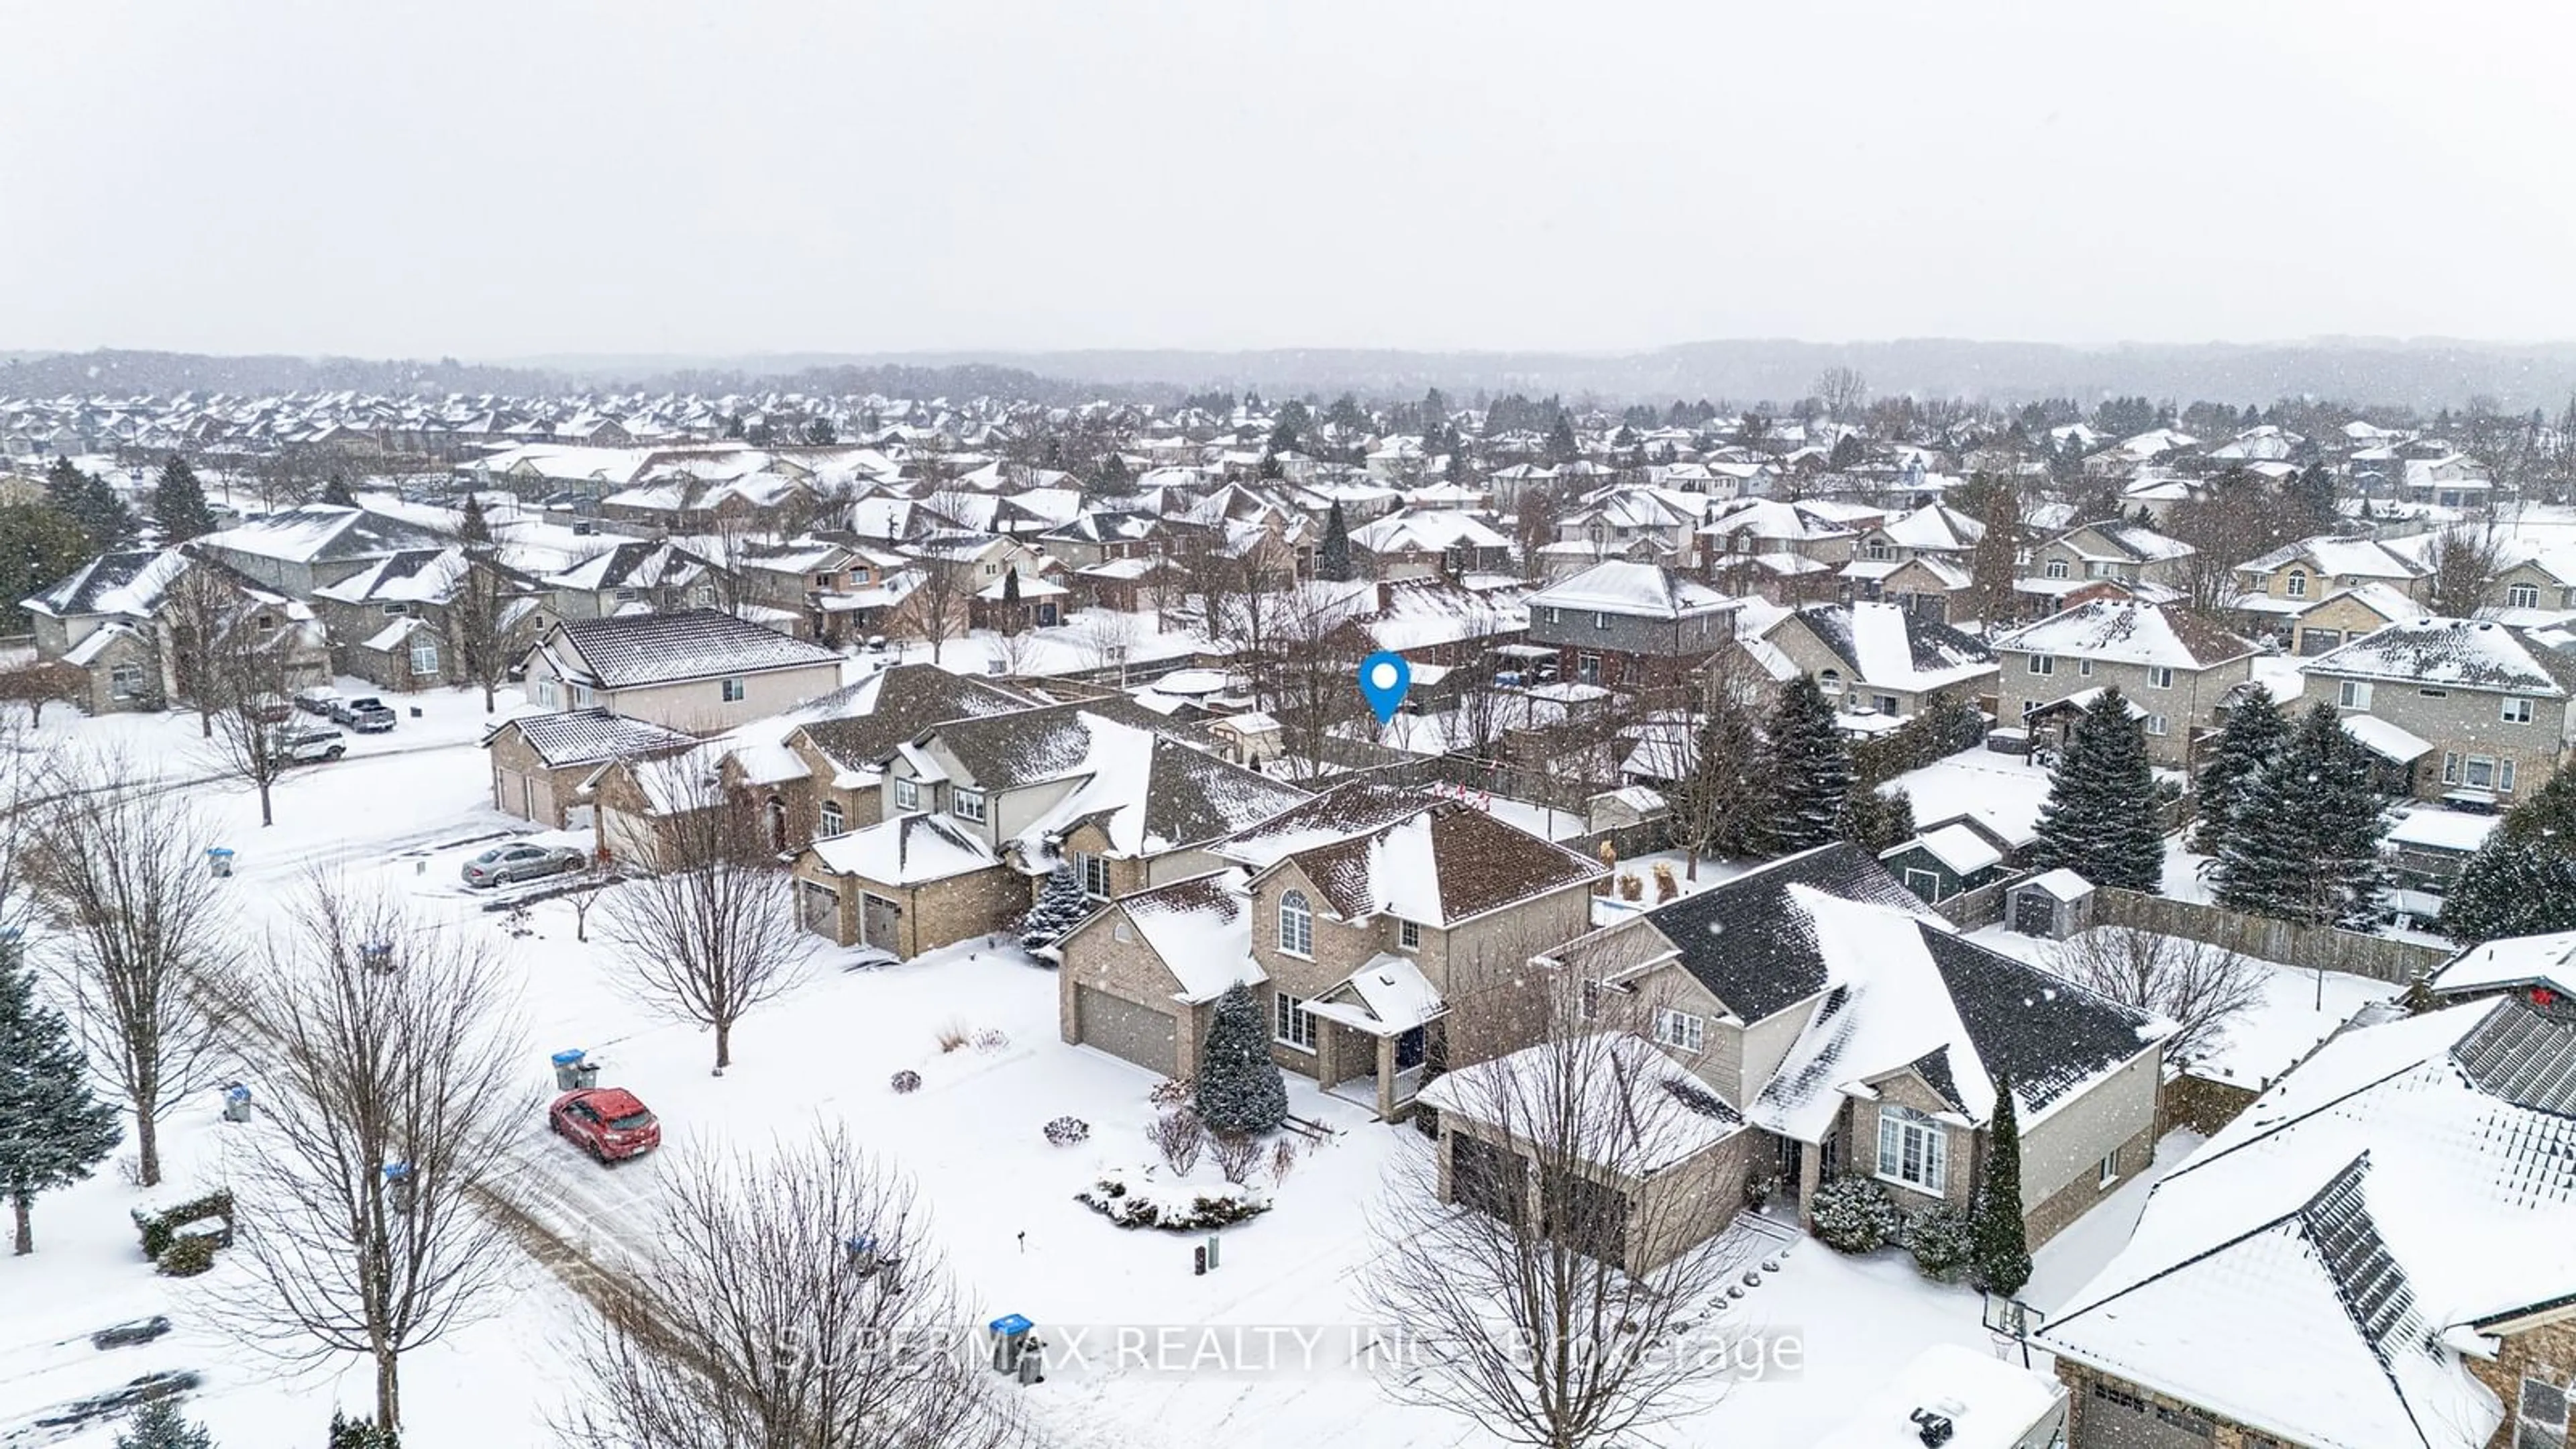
point(1934, 1067)
point(2043, 1032)
point(2524, 1056)
point(910, 698)
point(591, 737)
point(1003, 752)
point(1933, 644)
point(1483, 865)
point(1750, 947)
point(1194, 797)
point(2473, 652)
point(79, 593)
point(1356, 808)
point(646, 649)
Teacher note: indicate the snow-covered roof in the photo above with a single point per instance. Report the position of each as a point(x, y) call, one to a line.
point(641, 650)
point(1440, 866)
point(907, 850)
point(1962, 849)
point(1388, 995)
point(591, 736)
point(1343, 813)
point(2062, 883)
point(2313, 1270)
point(1643, 590)
point(2453, 653)
point(1629, 1104)
point(2439, 829)
point(2128, 631)
point(1935, 526)
point(1202, 929)
point(1147, 792)
point(2545, 960)
point(1425, 530)
point(321, 531)
point(1894, 647)
point(2352, 558)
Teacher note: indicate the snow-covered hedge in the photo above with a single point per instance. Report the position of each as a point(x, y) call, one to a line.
point(1942, 1239)
point(1136, 1198)
point(1852, 1215)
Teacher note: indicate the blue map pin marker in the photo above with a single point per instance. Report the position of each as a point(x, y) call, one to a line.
point(1384, 677)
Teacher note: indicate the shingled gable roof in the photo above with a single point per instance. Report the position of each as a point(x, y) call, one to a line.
point(638, 563)
point(318, 532)
point(2129, 631)
point(639, 650)
point(2455, 653)
point(1149, 792)
point(2316, 1269)
point(105, 585)
point(1743, 941)
point(1896, 647)
point(899, 703)
point(1340, 813)
point(590, 737)
point(1439, 866)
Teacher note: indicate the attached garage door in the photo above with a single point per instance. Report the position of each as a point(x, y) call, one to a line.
point(2115, 1418)
point(1128, 1029)
point(2318, 641)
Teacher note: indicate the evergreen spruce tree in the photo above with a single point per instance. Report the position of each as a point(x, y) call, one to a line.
point(1112, 480)
point(1561, 445)
point(2101, 819)
point(336, 493)
point(1807, 766)
point(91, 503)
point(159, 1425)
point(52, 1131)
point(1240, 1088)
point(179, 503)
point(2522, 881)
point(2001, 1259)
point(348, 1433)
point(1061, 905)
point(2254, 730)
point(471, 526)
point(2303, 837)
point(1333, 555)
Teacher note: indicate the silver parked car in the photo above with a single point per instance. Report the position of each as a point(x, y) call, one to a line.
point(504, 863)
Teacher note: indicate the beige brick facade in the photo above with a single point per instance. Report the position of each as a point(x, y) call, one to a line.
point(927, 916)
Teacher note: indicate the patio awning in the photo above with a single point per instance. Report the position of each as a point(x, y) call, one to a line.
point(2389, 742)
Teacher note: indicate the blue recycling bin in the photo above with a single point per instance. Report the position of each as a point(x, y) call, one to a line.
point(219, 859)
point(568, 1069)
point(398, 1186)
point(236, 1103)
point(1010, 1338)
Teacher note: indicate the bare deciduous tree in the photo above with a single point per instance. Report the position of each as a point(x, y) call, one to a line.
point(705, 928)
point(144, 944)
point(937, 609)
point(2197, 986)
point(246, 666)
point(1107, 636)
point(382, 1044)
point(42, 682)
point(1540, 1254)
point(798, 1301)
point(2465, 562)
point(1842, 390)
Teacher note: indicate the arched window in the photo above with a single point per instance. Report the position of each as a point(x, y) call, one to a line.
point(832, 818)
point(1831, 681)
point(2055, 568)
point(1296, 925)
point(2298, 583)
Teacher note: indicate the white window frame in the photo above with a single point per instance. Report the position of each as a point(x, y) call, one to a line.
point(2084, 668)
point(2055, 568)
point(1831, 683)
point(2107, 1171)
point(832, 821)
point(2160, 676)
point(2450, 767)
point(733, 690)
point(546, 693)
point(1408, 935)
point(424, 657)
point(1897, 1126)
point(2042, 664)
point(583, 696)
point(2516, 711)
point(967, 804)
point(2522, 596)
point(2504, 775)
point(1681, 1030)
point(2353, 694)
point(2296, 583)
point(1296, 933)
point(2480, 765)
point(907, 794)
point(1291, 1024)
point(1600, 620)
point(1093, 868)
point(2156, 724)
point(117, 685)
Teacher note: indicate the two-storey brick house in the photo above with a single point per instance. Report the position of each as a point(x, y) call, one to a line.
point(1882, 659)
point(2148, 565)
point(2173, 666)
point(2481, 709)
point(1631, 625)
point(1859, 1034)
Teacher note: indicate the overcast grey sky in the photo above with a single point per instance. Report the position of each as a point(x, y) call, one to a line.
point(493, 180)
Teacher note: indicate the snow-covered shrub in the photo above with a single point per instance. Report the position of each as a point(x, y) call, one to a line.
point(188, 1255)
point(1942, 1238)
point(1172, 1092)
point(348, 1433)
point(1758, 1187)
point(1134, 1199)
point(1667, 885)
point(159, 1228)
point(906, 1080)
point(991, 1039)
point(954, 1034)
point(1066, 1131)
point(1851, 1215)
point(1178, 1135)
point(160, 1425)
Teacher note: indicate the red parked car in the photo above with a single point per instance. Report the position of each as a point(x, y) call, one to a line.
point(609, 1123)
